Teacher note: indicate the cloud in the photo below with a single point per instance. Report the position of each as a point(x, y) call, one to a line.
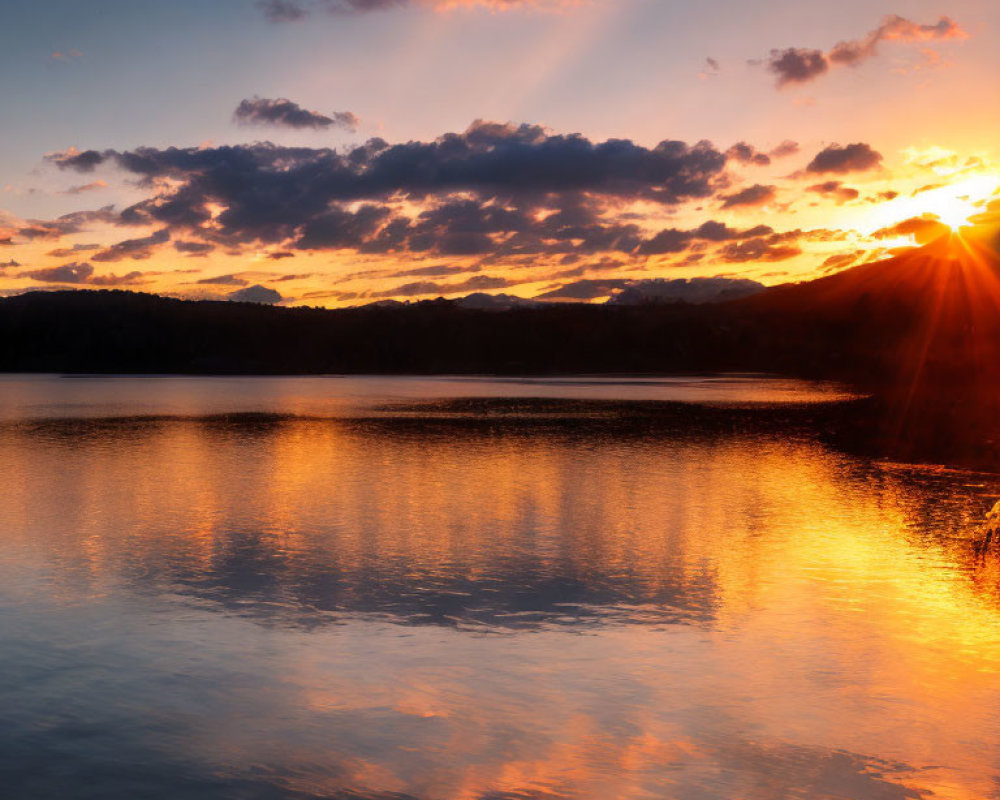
point(922, 229)
point(930, 187)
point(128, 279)
point(841, 261)
point(747, 154)
point(796, 65)
point(134, 248)
point(785, 149)
point(74, 272)
point(495, 189)
point(585, 290)
point(857, 157)
point(757, 250)
point(835, 190)
point(672, 240)
point(882, 197)
point(65, 252)
point(81, 161)
point(87, 187)
point(711, 69)
point(756, 195)
point(893, 28)
point(79, 274)
point(193, 248)
point(290, 277)
point(295, 10)
point(66, 224)
point(281, 10)
point(435, 271)
point(281, 112)
point(477, 283)
point(255, 294)
point(222, 280)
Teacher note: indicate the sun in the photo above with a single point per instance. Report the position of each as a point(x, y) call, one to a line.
point(954, 213)
point(955, 204)
point(951, 211)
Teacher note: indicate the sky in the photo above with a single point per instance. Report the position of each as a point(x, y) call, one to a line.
point(341, 152)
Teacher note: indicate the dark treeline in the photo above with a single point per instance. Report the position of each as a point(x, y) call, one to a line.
point(116, 332)
point(920, 332)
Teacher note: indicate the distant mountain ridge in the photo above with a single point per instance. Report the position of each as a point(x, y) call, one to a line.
point(934, 311)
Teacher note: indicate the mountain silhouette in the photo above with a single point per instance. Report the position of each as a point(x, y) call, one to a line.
point(920, 333)
point(930, 314)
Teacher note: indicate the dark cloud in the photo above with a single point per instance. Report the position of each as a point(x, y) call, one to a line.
point(85, 161)
point(298, 277)
point(68, 223)
point(66, 252)
point(835, 190)
point(337, 228)
point(281, 10)
point(74, 272)
point(756, 195)
point(669, 240)
point(672, 240)
point(82, 274)
point(435, 271)
point(280, 255)
point(282, 112)
point(747, 154)
point(477, 283)
point(857, 157)
point(255, 294)
point(496, 190)
point(801, 65)
point(785, 149)
point(129, 279)
point(758, 250)
point(797, 65)
point(193, 248)
point(414, 289)
point(222, 280)
point(487, 159)
point(295, 10)
point(134, 248)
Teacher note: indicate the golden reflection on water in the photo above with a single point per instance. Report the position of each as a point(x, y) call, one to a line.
point(509, 611)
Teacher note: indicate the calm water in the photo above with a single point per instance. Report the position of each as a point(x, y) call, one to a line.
point(345, 588)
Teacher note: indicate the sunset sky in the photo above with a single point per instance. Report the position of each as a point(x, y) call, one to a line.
point(339, 152)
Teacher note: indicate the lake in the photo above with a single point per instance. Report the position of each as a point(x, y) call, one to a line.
point(482, 589)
